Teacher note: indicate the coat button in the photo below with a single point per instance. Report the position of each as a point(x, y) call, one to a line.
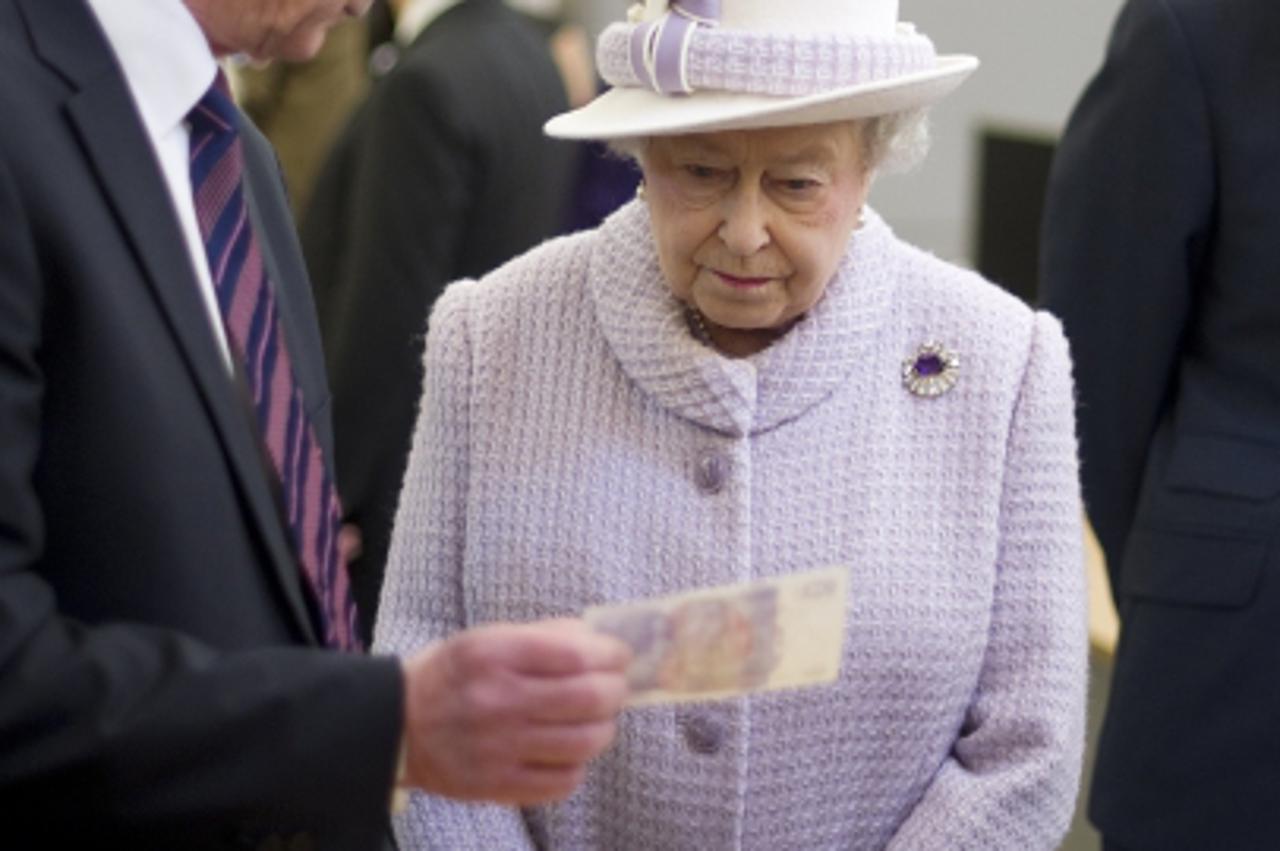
point(702, 734)
point(382, 59)
point(711, 471)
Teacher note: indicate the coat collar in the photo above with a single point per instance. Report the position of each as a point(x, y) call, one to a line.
point(102, 112)
point(647, 331)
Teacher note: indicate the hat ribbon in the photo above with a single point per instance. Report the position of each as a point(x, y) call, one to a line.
point(660, 49)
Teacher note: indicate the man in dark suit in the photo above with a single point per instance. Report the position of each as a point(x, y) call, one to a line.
point(443, 173)
point(170, 597)
point(1161, 253)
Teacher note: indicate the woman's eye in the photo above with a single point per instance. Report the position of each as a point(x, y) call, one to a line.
point(702, 172)
point(798, 184)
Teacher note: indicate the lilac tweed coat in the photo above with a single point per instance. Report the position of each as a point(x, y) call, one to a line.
point(576, 445)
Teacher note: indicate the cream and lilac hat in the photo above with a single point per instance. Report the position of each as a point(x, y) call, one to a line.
point(684, 66)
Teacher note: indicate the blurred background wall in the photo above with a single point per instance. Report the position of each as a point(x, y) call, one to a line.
point(1036, 57)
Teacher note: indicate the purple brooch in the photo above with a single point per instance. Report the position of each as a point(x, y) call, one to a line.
point(931, 371)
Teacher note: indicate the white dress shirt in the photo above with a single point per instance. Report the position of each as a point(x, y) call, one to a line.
point(168, 65)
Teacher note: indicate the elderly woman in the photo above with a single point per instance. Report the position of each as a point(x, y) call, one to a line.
point(745, 374)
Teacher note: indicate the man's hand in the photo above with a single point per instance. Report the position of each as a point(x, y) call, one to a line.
point(350, 542)
point(512, 713)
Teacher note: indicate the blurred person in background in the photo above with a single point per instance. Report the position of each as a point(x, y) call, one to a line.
point(302, 106)
point(442, 173)
point(745, 374)
point(1160, 251)
point(602, 180)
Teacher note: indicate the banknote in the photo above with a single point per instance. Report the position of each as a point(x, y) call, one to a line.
point(782, 632)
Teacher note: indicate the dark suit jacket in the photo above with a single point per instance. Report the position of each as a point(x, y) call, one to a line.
point(444, 173)
point(159, 683)
point(1161, 252)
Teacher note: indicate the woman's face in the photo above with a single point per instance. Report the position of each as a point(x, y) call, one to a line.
point(751, 224)
point(291, 30)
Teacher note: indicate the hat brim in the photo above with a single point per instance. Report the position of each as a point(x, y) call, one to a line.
point(626, 112)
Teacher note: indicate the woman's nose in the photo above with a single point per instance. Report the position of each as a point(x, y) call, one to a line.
point(745, 229)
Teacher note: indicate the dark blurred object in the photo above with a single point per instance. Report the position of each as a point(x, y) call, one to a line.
point(380, 23)
point(604, 182)
point(1014, 171)
point(443, 173)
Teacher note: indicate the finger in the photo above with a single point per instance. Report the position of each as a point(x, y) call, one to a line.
point(598, 696)
point(546, 648)
point(565, 745)
point(566, 647)
point(350, 542)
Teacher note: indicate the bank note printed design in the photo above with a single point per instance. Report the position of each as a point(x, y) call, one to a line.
point(711, 643)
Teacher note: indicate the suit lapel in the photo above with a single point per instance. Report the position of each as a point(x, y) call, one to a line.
point(105, 118)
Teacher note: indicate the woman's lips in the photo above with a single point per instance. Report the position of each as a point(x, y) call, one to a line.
point(744, 283)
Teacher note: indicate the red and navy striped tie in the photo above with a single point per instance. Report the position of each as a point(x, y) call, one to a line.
point(252, 324)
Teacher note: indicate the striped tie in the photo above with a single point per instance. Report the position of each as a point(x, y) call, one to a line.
point(249, 316)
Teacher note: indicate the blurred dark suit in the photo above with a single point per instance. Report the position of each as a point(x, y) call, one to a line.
point(443, 173)
point(1161, 252)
